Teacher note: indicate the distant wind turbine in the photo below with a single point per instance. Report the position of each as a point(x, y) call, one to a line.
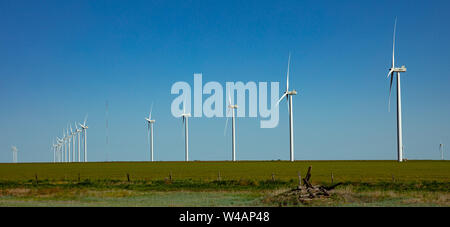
point(233, 122)
point(441, 149)
point(65, 146)
point(57, 150)
point(60, 148)
point(14, 153)
point(185, 116)
point(54, 148)
point(69, 138)
point(150, 123)
point(78, 132)
point(288, 94)
point(73, 134)
point(393, 70)
point(84, 128)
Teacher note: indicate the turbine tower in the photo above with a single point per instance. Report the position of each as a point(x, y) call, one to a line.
point(233, 124)
point(14, 153)
point(288, 94)
point(185, 116)
point(78, 132)
point(54, 147)
point(73, 134)
point(150, 123)
point(69, 139)
point(441, 149)
point(65, 146)
point(84, 128)
point(391, 74)
point(60, 148)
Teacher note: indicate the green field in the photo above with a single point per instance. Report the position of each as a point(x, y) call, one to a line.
point(354, 171)
point(244, 183)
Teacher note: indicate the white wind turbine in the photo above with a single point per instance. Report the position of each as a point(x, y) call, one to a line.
point(84, 128)
point(233, 122)
point(14, 153)
point(69, 138)
point(441, 149)
point(65, 146)
point(393, 70)
point(185, 116)
point(54, 147)
point(73, 134)
point(60, 148)
point(78, 132)
point(288, 94)
point(150, 123)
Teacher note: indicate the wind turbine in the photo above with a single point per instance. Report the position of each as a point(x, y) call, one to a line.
point(84, 128)
point(65, 146)
point(150, 123)
point(441, 149)
point(73, 134)
point(54, 147)
point(78, 132)
point(233, 122)
point(14, 153)
point(60, 149)
point(69, 138)
point(185, 116)
point(288, 94)
point(397, 70)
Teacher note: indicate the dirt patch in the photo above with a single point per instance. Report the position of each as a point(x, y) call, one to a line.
point(301, 195)
point(15, 192)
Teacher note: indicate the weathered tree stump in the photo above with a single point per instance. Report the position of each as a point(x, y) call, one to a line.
point(306, 181)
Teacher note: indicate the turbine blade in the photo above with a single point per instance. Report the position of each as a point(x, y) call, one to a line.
point(229, 98)
point(184, 106)
point(151, 109)
point(390, 90)
point(393, 43)
point(148, 133)
point(287, 74)
point(287, 103)
point(226, 123)
point(390, 71)
point(280, 99)
point(85, 119)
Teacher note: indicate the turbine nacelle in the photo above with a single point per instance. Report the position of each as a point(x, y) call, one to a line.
point(401, 69)
point(185, 115)
point(233, 106)
point(149, 120)
point(293, 92)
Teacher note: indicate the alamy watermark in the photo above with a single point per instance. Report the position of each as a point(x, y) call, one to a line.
point(216, 104)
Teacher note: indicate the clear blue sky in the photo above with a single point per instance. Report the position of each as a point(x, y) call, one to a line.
point(62, 59)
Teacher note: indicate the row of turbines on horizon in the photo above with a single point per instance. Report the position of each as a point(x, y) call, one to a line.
point(64, 149)
point(62, 154)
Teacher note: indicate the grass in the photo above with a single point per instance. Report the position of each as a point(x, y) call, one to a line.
point(364, 183)
point(352, 171)
point(123, 197)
